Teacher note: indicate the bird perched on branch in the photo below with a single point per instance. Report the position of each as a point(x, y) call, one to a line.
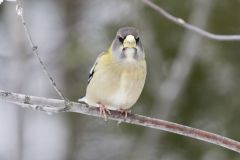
point(117, 78)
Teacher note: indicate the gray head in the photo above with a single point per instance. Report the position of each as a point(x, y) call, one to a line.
point(127, 45)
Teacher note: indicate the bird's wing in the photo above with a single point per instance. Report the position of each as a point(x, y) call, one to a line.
point(91, 73)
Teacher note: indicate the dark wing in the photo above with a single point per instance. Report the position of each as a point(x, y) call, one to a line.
point(92, 71)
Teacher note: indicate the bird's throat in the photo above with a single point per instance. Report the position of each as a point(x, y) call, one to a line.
point(130, 54)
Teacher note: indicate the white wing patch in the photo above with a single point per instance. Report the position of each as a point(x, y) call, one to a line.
point(91, 73)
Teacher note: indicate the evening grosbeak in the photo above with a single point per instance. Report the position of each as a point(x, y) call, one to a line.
point(117, 78)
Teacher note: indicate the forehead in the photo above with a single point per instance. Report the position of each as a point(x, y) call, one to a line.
point(123, 32)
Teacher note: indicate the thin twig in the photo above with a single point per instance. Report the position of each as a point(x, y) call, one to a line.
point(181, 22)
point(170, 89)
point(34, 48)
point(56, 106)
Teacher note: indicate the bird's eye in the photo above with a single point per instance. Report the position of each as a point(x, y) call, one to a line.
point(137, 39)
point(120, 39)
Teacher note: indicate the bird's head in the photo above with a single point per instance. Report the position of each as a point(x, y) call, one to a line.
point(127, 45)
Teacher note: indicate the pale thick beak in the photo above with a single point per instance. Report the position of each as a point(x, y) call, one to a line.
point(129, 42)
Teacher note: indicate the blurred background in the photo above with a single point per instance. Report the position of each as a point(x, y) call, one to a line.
point(191, 80)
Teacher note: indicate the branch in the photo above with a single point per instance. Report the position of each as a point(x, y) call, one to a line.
point(56, 106)
point(19, 10)
point(170, 89)
point(182, 23)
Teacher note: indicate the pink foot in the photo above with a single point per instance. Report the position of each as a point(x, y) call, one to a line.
point(103, 111)
point(125, 112)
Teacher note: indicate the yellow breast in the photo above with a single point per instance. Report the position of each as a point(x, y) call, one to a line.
point(115, 85)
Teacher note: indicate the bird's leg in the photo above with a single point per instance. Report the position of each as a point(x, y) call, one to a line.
point(103, 111)
point(125, 112)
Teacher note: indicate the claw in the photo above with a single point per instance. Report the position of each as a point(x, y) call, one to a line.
point(125, 112)
point(103, 111)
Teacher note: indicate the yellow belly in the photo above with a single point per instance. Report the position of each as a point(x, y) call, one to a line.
point(117, 87)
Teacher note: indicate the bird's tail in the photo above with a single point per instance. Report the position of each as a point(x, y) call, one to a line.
point(82, 99)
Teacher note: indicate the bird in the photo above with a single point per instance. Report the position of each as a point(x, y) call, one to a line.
point(118, 75)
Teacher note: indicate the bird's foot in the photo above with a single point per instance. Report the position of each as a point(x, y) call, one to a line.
point(125, 112)
point(103, 111)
